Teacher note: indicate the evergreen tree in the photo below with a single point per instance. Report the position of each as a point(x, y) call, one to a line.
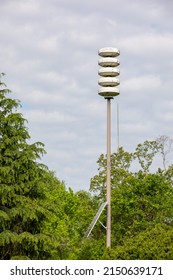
point(22, 187)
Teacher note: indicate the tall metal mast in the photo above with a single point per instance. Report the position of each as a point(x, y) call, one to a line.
point(108, 90)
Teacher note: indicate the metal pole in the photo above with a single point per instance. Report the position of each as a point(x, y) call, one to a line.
point(108, 90)
point(117, 127)
point(108, 237)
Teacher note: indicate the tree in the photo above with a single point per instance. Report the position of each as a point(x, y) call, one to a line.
point(120, 166)
point(70, 214)
point(141, 202)
point(121, 163)
point(166, 146)
point(145, 154)
point(22, 188)
point(152, 244)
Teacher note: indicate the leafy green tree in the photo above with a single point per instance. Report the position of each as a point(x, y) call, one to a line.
point(139, 204)
point(69, 216)
point(61, 204)
point(92, 249)
point(152, 244)
point(121, 165)
point(22, 188)
point(145, 154)
point(120, 168)
point(141, 201)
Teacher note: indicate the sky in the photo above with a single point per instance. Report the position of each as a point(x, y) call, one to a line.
point(49, 52)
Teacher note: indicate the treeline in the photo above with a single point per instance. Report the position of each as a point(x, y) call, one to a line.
point(41, 219)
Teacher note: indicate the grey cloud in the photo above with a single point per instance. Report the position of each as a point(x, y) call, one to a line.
point(49, 53)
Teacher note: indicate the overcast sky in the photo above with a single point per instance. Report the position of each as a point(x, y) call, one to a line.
point(49, 52)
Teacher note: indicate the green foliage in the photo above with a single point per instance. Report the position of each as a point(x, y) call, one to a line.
point(140, 204)
point(22, 188)
point(120, 162)
point(141, 201)
point(145, 153)
point(152, 244)
point(68, 218)
point(92, 249)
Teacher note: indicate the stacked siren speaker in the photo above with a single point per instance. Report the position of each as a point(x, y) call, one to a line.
point(108, 81)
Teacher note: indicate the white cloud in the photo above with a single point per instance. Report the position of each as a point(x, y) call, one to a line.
point(49, 53)
point(48, 117)
point(142, 83)
point(148, 43)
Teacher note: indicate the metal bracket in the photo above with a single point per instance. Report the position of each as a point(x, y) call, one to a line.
point(103, 225)
point(94, 221)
